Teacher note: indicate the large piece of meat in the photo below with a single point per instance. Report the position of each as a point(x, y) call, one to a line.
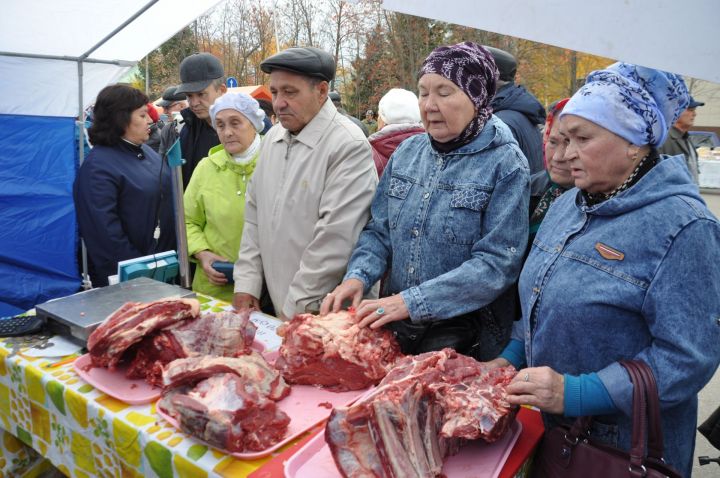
point(421, 412)
point(223, 334)
point(228, 402)
point(131, 323)
point(331, 351)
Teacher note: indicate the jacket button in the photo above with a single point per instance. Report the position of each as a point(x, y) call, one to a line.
point(415, 232)
point(413, 337)
point(426, 195)
point(411, 269)
point(536, 290)
point(558, 248)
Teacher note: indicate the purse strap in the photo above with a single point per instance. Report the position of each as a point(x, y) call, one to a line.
point(655, 446)
point(646, 415)
point(639, 419)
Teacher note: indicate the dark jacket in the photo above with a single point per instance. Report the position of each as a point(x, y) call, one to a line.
point(385, 142)
point(678, 143)
point(523, 113)
point(197, 137)
point(359, 123)
point(121, 192)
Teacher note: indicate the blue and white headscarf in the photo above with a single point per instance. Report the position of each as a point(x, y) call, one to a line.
point(636, 103)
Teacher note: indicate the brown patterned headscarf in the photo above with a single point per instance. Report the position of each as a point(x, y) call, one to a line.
point(472, 68)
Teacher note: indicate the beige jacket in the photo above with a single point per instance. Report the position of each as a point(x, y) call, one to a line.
point(306, 205)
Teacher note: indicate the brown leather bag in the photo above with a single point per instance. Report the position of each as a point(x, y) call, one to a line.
point(568, 452)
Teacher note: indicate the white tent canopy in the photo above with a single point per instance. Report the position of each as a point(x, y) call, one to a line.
point(665, 34)
point(35, 34)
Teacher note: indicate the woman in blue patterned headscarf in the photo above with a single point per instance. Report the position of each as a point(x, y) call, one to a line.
point(449, 219)
point(620, 270)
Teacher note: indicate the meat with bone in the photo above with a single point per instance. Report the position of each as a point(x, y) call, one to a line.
point(333, 352)
point(252, 368)
point(422, 412)
point(224, 334)
point(133, 321)
point(228, 402)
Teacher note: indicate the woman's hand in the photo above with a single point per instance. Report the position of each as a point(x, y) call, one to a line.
point(350, 289)
point(206, 259)
point(497, 363)
point(243, 301)
point(379, 312)
point(540, 387)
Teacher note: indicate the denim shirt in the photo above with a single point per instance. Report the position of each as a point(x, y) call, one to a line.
point(636, 276)
point(450, 228)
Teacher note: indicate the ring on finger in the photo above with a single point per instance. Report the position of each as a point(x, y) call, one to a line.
point(380, 311)
point(527, 377)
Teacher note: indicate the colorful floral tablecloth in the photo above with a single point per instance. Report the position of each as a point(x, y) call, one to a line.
point(49, 415)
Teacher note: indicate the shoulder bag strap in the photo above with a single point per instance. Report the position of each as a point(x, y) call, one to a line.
point(655, 438)
point(639, 420)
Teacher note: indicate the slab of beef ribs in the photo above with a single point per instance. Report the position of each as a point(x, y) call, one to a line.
point(223, 334)
point(131, 323)
point(422, 411)
point(331, 351)
point(228, 402)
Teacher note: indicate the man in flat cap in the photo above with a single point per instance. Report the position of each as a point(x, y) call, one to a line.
point(678, 140)
point(203, 81)
point(310, 195)
point(172, 104)
point(519, 109)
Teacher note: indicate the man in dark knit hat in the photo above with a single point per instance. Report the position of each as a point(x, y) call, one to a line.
point(310, 194)
point(519, 109)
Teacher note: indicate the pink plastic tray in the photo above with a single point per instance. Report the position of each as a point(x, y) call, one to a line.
point(306, 406)
point(476, 459)
point(115, 384)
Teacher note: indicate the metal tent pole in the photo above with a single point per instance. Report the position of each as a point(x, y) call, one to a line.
point(175, 161)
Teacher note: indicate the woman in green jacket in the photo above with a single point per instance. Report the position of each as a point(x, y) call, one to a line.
point(215, 196)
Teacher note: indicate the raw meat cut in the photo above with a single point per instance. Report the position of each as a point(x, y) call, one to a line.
point(224, 334)
point(228, 412)
point(252, 367)
point(133, 321)
point(333, 352)
point(228, 402)
point(422, 411)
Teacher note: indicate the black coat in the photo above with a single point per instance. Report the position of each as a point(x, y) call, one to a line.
point(523, 113)
point(196, 139)
point(121, 194)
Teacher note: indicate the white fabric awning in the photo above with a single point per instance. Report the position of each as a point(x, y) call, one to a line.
point(32, 85)
point(680, 37)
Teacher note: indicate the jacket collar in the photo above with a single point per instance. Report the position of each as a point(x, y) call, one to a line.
point(222, 160)
point(494, 133)
point(311, 134)
point(669, 177)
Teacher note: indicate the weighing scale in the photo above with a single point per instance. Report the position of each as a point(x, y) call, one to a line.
point(79, 314)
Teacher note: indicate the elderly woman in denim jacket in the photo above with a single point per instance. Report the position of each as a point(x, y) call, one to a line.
point(449, 220)
point(625, 266)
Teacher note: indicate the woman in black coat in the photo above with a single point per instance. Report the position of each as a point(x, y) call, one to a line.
point(122, 193)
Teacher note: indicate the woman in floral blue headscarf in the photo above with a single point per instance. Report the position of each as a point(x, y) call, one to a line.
point(624, 266)
point(449, 220)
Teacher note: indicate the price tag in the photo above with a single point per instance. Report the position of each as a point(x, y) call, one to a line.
point(266, 330)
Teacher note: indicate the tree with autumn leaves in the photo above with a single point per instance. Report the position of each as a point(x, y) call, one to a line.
point(375, 49)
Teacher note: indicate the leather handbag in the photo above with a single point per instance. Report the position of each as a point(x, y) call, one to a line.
point(570, 451)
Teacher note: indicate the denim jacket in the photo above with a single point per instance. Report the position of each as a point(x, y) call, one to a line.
point(451, 228)
point(636, 276)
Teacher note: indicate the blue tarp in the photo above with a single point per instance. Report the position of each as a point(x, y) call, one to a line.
point(38, 229)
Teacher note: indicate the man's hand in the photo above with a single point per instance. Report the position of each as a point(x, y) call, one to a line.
point(243, 301)
point(350, 289)
point(206, 259)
